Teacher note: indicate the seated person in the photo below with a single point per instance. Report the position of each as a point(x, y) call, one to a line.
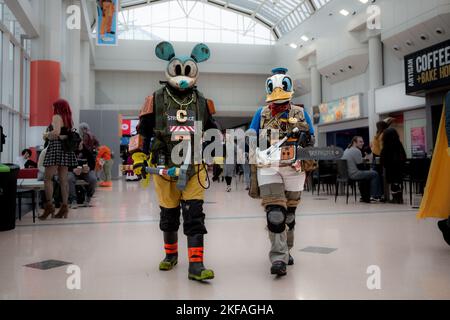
point(84, 171)
point(356, 170)
point(24, 161)
point(40, 165)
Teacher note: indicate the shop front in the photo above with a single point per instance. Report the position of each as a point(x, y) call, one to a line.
point(409, 118)
point(427, 74)
point(338, 121)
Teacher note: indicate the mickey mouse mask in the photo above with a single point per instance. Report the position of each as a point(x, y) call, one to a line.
point(182, 71)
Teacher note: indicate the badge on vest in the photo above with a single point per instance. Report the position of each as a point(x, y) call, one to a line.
point(181, 124)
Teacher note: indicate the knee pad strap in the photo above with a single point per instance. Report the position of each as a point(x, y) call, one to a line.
point(290, 217)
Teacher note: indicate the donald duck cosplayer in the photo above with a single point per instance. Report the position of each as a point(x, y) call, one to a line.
point(166, 118)
point(281, 182)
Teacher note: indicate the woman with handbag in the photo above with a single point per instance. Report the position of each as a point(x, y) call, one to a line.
point(59, 158)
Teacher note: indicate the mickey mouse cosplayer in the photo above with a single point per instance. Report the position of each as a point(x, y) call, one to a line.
point(166, 118)
point(280, 176)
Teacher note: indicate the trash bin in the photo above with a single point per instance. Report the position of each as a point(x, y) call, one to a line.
point(8, 190)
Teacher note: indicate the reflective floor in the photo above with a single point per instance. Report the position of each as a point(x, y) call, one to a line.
point(118, 245)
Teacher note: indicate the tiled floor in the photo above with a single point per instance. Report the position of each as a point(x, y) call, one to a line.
point(118, 245)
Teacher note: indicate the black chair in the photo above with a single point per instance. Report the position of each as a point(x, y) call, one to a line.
point(416, 173)
point(326, 174)
point(342, 177)
point(20, 194)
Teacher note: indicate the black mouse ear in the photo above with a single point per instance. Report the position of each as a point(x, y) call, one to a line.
point(164, 50)
point(200, 53)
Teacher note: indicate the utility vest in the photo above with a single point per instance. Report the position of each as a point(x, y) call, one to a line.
point(284, 125)
point(170, 121)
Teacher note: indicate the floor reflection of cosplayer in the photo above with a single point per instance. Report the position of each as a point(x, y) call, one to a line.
point(281, 185)
point(168, 113)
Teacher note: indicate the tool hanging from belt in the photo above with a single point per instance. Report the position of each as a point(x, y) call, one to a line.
point(279, 154)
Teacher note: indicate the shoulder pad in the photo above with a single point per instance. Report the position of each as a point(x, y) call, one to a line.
point(296, 106)
point(147, 107)
point(211, 106)
point(265, 112)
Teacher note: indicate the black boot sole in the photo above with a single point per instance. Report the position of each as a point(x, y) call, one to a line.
point(278, 272)
point(445, 230)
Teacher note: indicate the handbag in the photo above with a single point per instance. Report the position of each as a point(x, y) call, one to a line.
point(72, 142)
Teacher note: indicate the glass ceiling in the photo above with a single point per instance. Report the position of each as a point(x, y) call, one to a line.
point(192, 22)
point(280, 16)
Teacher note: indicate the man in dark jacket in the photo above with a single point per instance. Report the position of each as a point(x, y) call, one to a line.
point(84, 171)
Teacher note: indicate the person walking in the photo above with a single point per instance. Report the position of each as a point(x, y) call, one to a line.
point(104, 163)
point(57, 160)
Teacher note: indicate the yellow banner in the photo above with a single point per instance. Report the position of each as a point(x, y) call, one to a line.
point(436, 199)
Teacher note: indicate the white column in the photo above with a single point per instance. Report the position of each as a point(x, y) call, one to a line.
point(92, 89)
point(72, 67)
point(46, 47)
point(316, 90)
point(85, 76)
point(375, 79)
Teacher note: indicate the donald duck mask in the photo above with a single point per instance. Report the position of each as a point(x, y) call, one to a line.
point(279, 87)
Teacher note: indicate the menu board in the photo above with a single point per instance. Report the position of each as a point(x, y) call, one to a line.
point(338, 110)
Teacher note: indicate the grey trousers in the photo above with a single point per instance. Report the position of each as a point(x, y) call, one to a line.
point(90, 178)
point(282, 243)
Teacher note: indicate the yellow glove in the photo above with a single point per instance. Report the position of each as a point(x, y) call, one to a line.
point(139, 162)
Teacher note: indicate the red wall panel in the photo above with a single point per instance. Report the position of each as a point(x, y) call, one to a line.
point(45, 80)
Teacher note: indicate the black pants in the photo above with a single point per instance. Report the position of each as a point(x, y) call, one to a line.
point(193, 218)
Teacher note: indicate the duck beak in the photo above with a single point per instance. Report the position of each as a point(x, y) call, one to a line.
point(279, 94)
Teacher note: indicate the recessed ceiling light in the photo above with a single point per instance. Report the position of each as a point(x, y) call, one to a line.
point(344, 12)
point(364, 1)
point(304, 38)
point(293, 46)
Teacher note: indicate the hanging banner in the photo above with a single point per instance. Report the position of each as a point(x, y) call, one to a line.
point(338, 110)
point(435, 202)
point(428, 69)
point(107, 13)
